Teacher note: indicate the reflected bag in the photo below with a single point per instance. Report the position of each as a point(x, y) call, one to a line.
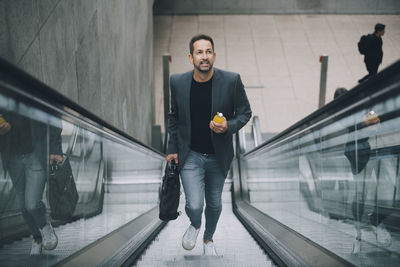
point(63, 195)
point(359, 160)
point(170, 193)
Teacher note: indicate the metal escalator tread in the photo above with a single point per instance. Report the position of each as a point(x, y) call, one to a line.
point(234, 244)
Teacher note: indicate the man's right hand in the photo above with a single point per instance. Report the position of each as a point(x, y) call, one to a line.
point(171, 157)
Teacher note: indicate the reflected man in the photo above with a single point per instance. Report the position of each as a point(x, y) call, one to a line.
point(25, 154)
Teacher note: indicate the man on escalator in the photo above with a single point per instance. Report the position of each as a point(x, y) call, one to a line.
point(25, 154)
point(204, 146)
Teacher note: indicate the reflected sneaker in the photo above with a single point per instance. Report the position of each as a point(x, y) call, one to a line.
point(383, 237)
point(209, 249)
point(36, 248)
point(190, 237)
point(49, 238)
point(356, 246)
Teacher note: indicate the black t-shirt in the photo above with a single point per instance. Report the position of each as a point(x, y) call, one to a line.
point(200, 116)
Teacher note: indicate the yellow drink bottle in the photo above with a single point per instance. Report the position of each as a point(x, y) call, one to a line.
point(219, 118)
point(372, 117)
point(2, 119)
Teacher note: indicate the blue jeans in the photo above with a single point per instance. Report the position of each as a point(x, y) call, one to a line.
point(202, 178)
point(29, 178)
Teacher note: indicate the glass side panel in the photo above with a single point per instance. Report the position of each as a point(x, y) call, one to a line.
point(116, 181)
point(337, 182)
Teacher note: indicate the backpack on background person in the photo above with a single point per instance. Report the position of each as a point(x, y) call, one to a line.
point(363, 44)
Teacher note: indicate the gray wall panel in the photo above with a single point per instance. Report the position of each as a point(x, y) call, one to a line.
point(31, 61)
point(266, 6)
point(129, 105)
point(83, 12)
point(232, 6)
point(276, 6)
point(309, 4)
point(57, 44)
point(357, 6)
point(108, 40)
point(45, 8)
point(186, 6)
point(69, 86)
point(98, 53)
point(4, 39)
point(388, 5)
point(88, 69)
point(22, 24)
point(205, 6)
point(167, 6)
point(145, 73)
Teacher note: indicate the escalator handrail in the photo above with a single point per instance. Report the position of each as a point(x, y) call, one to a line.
point(360, 92)
point(32, 88)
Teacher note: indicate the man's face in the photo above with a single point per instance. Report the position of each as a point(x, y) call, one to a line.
point(203, 56)
point(380, 33)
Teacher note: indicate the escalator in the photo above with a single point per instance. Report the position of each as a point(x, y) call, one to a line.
point(118, 181)
point(287, 201)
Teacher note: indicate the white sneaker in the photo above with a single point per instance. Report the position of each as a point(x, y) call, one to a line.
point(190, 237)
point(383, 237)
point(36, 248)
point(356, 246)
point(209, 249)
point(49, 238)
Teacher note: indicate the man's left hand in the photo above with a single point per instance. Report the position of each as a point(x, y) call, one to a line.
point(219, 128)
point(56, 158)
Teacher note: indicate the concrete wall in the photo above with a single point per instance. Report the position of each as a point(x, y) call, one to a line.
point(98, 53)
point(275, 6)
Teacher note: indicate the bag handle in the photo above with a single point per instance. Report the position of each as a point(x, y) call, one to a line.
point(71, 146)
point(72, 142)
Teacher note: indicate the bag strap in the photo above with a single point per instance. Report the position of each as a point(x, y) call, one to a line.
point(72, 141)
point(71, 144)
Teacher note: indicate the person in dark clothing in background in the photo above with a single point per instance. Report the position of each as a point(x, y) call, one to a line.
point(373, 51)
point(25, 146)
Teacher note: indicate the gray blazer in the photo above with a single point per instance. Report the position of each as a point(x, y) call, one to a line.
point(228, 97)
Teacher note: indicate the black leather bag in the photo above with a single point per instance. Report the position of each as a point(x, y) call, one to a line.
point(170, 193)
point(63, 195)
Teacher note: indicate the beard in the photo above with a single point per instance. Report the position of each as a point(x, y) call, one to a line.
point(203, 69)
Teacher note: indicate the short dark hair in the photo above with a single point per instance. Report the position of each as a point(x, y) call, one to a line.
point(379, 27)
point(200, 37)
point(339, 91)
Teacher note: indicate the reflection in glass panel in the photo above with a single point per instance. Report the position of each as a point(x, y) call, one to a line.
point(116, 180)
point(336, 183)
